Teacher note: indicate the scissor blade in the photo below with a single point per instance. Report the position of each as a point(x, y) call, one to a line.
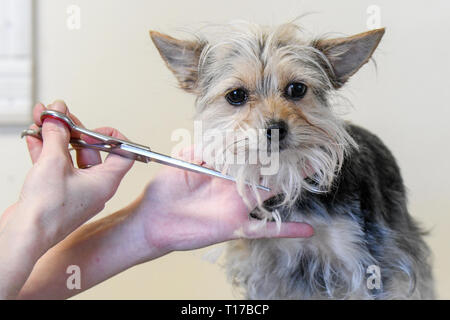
point(180, 164)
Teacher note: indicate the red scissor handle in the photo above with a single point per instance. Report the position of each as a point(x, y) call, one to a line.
point(46, 116)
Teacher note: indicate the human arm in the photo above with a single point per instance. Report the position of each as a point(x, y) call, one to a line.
point(56, 199)
point(179, 210)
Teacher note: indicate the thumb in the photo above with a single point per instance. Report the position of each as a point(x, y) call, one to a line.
point(55, 134)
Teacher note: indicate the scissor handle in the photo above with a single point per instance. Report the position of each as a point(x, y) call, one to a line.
point(63, 118)
point(108, 144)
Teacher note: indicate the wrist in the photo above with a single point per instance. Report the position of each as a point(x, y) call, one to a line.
point(26, 231)
point(19, 252)
point(146, 233)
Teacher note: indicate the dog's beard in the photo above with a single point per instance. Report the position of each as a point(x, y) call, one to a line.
point(309, 161)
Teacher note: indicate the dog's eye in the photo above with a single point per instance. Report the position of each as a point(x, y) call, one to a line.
point(237, 97)
point(295, 90)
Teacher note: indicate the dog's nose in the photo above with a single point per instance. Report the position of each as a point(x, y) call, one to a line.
point(279, 125)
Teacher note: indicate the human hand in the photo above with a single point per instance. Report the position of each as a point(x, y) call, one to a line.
point(182, 210)
point(56, 197)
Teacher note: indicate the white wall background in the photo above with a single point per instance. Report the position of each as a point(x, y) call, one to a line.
point(110, 74)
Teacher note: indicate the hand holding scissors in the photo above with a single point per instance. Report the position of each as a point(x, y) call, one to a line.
point(179, 210)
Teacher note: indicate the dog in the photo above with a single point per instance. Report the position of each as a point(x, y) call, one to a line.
point(336, 176)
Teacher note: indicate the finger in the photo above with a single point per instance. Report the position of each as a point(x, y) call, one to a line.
point(37, 111)
point(107, 131)
point(55, 134)
point(85, 157)
point(259, 229)
point(117, 165)
point(34, 145)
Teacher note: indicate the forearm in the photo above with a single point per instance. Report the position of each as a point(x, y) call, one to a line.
point(19, 251)
point(100, 249)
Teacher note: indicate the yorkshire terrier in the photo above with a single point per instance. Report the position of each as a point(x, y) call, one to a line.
point(336, 176)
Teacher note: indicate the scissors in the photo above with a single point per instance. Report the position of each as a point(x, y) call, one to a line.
point(124, 148)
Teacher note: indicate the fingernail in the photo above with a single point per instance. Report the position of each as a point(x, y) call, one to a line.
point(58, 105)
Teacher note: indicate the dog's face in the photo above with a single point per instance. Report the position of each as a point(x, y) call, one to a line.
point(273, 80)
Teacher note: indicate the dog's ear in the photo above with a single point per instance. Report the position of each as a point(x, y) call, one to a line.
point(347, 55)
point(181, 56)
